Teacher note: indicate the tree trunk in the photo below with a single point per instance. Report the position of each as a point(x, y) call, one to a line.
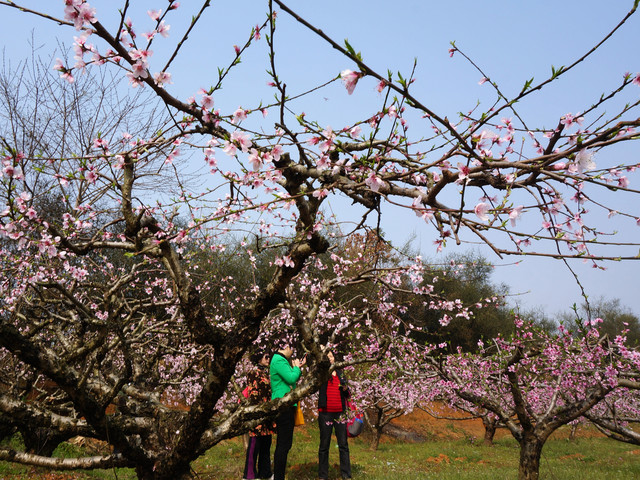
point(530, 452)
point(489, 430)
point(574, 429)
point(377, 433)
point(175, 472)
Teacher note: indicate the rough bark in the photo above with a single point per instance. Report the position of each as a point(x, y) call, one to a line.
point(530, 452)
point(490, 426)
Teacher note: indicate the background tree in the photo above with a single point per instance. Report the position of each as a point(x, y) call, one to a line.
point(465, 280)
point(616, 319)
point(536, 382)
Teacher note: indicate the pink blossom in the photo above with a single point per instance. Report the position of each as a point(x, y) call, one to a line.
point(327, 144)
point(559, 166)
point(452, 51)
point(463, 173)
point(584, 161)
point(163, 29)
point(239, 115)
point(135, 81)
point(79, 14)
point(636, 81)
point(381, 86)
point(254, 159)
point(141, 55)
point(256, 33)
point(100, 143)
point(171, 157)
point(482, 210)
point(243, 139)
point(31, 213)
point(276, 152)
point(483, 80)
point(374, 182)
point(139, 70)
point(568, 120)
point(514, 214)
point(154, 14)
point(119, 162)
point(623, 182)
point(323, 162)
point(320, 193)
point(91, 175)
point(350, 79)
point(285, 261)
point(59, 65)
point(162, 78)
point(236, 48)
point(355, 131)
point(65, 73)
point(230, 148)
point(206, 102)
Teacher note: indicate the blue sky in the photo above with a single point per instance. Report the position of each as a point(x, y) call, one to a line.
point(512, 41)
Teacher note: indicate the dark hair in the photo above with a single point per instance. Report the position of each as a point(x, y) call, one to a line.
point(337, 356)
point(285, 340)
point(256, 356)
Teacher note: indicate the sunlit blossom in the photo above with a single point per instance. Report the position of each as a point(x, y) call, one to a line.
point(254, 159)
point(584, 161)
point(350, 79)
point(374, 182)
point(206, 102)
point(482, 210)
point(162, 78)
point(514, 214)
point(163, 29)
point(239, 115)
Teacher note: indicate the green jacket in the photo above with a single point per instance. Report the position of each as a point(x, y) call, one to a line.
point(283, 376)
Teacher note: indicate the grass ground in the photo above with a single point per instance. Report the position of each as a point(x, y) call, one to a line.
point(453, 452)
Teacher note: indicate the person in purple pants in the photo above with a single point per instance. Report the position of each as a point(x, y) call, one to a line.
point(258, 459)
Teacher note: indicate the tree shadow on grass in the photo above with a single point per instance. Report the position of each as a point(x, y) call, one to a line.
point(309, 471)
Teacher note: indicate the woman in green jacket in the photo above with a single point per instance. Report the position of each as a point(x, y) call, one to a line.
point(284, 374)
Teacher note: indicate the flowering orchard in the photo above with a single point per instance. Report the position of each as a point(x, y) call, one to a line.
point(537, 382)
point(145, 253)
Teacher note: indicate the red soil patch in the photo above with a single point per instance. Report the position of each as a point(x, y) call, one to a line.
point(453, 425)
point(442, 458)
point(573, 456)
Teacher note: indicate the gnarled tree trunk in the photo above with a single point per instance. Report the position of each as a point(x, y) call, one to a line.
point(530, 452)
point(490, 426)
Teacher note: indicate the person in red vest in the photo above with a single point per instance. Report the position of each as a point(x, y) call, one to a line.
point(332, 404)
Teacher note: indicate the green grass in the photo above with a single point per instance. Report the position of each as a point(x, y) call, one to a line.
point(584, 458)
